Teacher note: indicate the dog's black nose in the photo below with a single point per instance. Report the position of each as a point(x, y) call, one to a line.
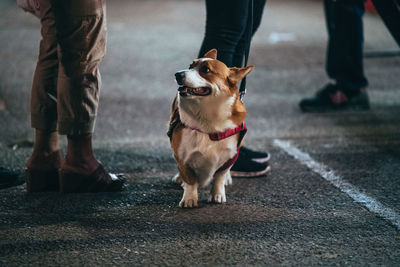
point(179, 76)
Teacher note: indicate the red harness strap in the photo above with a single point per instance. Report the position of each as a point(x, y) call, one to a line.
point(241, 129)
point(229, 132)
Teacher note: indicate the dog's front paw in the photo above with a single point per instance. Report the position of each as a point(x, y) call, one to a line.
point(188, 202)
point(217, 198)
point(190, 196)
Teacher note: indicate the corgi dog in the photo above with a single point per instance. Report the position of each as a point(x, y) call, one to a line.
point(207, 126)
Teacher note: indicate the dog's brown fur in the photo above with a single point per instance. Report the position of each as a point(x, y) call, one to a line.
point(193, 117)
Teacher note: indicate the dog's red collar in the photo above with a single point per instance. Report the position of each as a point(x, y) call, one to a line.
point(175, 121)
point(227, 133)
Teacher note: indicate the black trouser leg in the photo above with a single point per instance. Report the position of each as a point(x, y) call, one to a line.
point(241, 46)
point(226, 26)
point(345, 45)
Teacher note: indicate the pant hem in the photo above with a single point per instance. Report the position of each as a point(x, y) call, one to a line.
point(76, 128)
point(40, 122)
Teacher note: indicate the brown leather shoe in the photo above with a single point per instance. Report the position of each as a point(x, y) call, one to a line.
point(99, 181)
point(41, 181)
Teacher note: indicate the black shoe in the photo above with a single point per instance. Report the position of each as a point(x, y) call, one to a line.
point(245, 167)
point(260, 157)
point(9, 178)
point(331, 98)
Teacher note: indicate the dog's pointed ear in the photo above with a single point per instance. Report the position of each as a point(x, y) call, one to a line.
point(211, 54)
point(236, 74)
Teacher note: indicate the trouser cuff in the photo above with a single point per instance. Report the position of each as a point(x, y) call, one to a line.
point(76, 128)
point(44, 122)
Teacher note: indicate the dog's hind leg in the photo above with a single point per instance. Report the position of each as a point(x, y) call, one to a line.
point(217, 194)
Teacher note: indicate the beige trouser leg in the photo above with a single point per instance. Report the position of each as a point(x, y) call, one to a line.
point(78, 34)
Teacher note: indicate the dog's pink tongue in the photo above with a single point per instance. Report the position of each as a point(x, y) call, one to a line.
point(201, 90)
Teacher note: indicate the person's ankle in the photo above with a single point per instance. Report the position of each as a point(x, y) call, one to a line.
point(45, 160)
point(80, 158)
point(83, 166)
point(46, 153)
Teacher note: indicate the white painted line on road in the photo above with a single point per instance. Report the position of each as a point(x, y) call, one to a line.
point(352, 191)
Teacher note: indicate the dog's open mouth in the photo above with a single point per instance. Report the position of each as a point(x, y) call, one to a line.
point(199, 91)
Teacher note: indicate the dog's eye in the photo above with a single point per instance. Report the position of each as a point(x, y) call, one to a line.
point(191, 66)
point(205, 69)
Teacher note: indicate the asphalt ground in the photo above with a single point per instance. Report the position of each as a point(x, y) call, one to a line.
point(313, 208)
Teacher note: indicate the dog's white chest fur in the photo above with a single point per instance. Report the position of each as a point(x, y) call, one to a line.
point(203, 155)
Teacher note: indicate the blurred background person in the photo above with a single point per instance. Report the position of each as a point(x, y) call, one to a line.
point(344, 60)
point(389, 10)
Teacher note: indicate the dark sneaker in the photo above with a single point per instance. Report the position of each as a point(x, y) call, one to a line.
point(331, 98)
point(260, 157)
point(246, 167)
point(10, 178)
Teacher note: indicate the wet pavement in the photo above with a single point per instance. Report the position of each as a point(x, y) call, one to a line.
point(293, 216)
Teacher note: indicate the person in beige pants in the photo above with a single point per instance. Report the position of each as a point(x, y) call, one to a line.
point(65, 96)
